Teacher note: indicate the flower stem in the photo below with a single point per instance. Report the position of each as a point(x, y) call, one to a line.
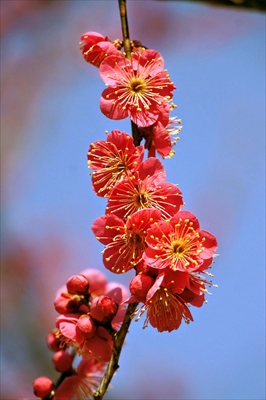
point(124, 25)
point(119, 339)
point(127, 47)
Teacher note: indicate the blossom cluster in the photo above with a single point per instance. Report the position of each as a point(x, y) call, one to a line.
point(91, 310)
point(145, 228)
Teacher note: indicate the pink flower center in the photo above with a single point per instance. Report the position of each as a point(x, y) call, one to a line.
point(186, 248)
point(179, 248)
point(182, 247)
point(137, 86)
point(141, 200)
point(127, 250)
point(136, 244)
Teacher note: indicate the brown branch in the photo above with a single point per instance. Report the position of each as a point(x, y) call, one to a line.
point(137, 136)
point(119, 339)
point(124, 25)
point(251, 5)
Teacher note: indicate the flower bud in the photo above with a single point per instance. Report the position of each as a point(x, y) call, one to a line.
point(42, 387)
point(86, 327)
point(140, 285)
point(53, 341)
point(90, 39)
point(62, 361)
point(77, 284)
point(65, 303)
point(95, 48)
point(97, 280)
point(103, 308)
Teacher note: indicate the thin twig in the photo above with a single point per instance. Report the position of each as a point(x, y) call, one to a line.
point(127, 47)
point(124, 25)
point(119, 339)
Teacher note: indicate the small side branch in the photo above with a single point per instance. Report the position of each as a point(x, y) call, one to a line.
point(124, 24)
point(249, 5)
point(127, 47)
point(119, 339)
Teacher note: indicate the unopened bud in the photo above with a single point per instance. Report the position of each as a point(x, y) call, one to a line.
point(103, 308)
point(62, 361)
point(77, 284)
point(97, 280)
point(53, 341)
point(140, 285)
point(86, 327)
point(65, 303)
point(42, 387)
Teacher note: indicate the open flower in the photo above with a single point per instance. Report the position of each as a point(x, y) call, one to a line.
point(146, 188)
point(139, 88)
point(179, 244)
point(82, 385)
point(196, 287)
point(164, 305)
point(98, 345)
point(167, 296)
point(113, 159)
point(124, 242)
point(161, 138)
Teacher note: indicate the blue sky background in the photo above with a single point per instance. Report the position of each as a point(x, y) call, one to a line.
point(216, 57)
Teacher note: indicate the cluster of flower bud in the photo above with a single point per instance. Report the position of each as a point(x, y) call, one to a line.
point(92, 310)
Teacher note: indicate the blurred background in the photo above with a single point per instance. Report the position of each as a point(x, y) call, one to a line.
point(50, 114)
